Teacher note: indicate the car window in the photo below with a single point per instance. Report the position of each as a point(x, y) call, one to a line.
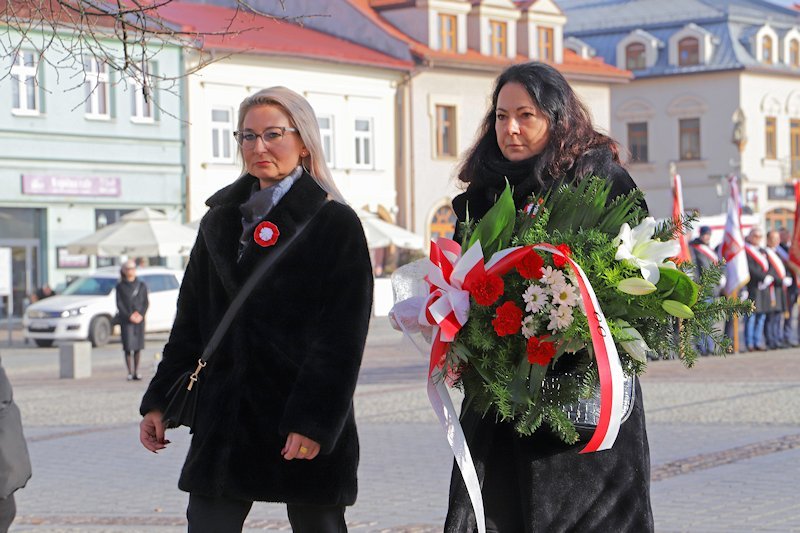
point(90, 286)
point(160, 282)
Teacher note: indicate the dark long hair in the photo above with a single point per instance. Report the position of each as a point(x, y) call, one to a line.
point(571, 131)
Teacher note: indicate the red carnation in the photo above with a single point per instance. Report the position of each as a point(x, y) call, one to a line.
point(487, 289)
point(266, 234)
point(530, 267)
point(540, 353)
point(559, 261)
point(508, 319)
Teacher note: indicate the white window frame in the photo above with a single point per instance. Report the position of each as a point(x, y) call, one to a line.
point(20, 74)
point(143, 112)
point(224, 134)
point(97, 85)
point(651, 46)
point(705, 44)
point(364, 157)
point(326, 134)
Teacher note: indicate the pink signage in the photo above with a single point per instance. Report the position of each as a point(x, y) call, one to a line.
point(71, 186)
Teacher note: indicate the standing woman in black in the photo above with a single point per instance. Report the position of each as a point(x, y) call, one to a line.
point(537, 134)
point(275, 418)
point(132, 303)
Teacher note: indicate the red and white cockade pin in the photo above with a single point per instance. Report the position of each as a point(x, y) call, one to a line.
point(266, 234)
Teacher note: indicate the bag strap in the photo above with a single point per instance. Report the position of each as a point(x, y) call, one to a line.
point(247, 288)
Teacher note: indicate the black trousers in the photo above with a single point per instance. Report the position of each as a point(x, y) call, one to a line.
point(222, 515)
point(8, 509)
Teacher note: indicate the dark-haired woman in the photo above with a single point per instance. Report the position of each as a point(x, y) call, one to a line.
point(538, 134)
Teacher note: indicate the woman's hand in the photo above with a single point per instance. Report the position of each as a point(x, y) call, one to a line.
point(136, 317)
point(151, 432)
point(299, 447)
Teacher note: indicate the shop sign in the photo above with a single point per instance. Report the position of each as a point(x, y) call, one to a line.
point(71, 186)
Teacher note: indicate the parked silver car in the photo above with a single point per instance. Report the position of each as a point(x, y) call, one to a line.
point(87, 307)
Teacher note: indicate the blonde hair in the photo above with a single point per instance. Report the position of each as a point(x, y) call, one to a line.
point(302, 117)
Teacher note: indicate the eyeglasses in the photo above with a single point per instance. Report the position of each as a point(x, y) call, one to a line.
point(248, 139)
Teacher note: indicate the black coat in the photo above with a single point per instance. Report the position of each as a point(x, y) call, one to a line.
point(132, 296)
point(290, 360)
point(15, 463)
point(762, 298)
point(558, 488)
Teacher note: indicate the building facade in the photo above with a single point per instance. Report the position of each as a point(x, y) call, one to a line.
point(80, 146)
point(716, 90)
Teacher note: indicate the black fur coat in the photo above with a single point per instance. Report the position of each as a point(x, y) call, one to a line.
point(290, 359)
point(545, 483)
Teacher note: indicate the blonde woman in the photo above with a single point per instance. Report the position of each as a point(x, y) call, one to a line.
point(275, 416)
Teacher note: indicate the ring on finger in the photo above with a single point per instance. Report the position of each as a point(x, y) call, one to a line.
point(303, 450)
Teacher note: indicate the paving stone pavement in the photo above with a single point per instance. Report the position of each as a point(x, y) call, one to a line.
point(724, 438)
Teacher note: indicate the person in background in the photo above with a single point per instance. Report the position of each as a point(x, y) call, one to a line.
point(538, 134)
point(703, 257)
point(275, 420)
point(15, 463)
point(758, 290)
point(792, 291)
point(773, 325)
point(132, 304)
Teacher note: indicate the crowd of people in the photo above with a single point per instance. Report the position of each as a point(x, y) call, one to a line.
point(773, 288)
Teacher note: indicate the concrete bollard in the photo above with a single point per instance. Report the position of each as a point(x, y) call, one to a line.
point(75, 360)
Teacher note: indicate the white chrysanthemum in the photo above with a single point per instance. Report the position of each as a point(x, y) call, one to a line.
point(552, 276)
point(564, 295)
point(528, 327)
point(560, 318)
point(535, 298)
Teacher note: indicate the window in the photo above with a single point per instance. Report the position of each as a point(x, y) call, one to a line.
point(326, 135)
point(794, 132)
point(766, 49)
point(688, 51)
point(689, 138)
point(443, 223)
point(546, 51)
point(445, 131)
point(142, 99)
point(97, 88)
point(221, 134)
point(25, 93)
point(447, 33)
point(637, 141)
point(160, 282)
point(770, 138)
point(363, 138)
point(499, 38)
point(635, 56)
point(794, 53)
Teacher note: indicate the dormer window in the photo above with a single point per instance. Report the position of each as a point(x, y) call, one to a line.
point(499, 38)
point(766, 50)
point(546, 44)
point(635, 56)
point(447, 33)
point(688, 51)
point(638, 50)
point(692, 45)
point(765, 44)
point(791, 48)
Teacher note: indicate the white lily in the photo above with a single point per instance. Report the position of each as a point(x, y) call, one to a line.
point(638, 247)
point(636, 347)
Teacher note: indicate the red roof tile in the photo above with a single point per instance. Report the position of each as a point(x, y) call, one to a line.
point(242, 31)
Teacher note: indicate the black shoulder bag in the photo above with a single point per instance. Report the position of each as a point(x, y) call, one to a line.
point(182, 396)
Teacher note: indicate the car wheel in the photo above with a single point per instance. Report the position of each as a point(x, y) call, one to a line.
point(43, 343)
point(100, 331)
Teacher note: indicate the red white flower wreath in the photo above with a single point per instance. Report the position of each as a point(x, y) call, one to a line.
point(266, 234)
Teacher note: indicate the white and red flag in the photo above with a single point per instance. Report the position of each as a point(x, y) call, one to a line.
point(737, 273)
point(677, 214)
point(794, 249)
